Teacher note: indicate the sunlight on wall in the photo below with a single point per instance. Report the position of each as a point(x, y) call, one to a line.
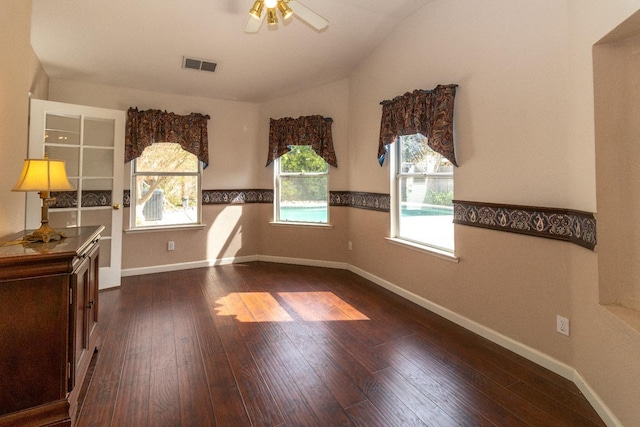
point(287, 307)
point(225, 234)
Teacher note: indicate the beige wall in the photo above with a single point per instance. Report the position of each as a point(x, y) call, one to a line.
point(331, 100)
point(509, 60)
point(617, 128)
point(330, 244)
point(238, 138)
point(606, 347)
point(618, 150)
point(524, 135)
point(232, 128)
point(20, 74)
point(230, 232)
point(234, 163)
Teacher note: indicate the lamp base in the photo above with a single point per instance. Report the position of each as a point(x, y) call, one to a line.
point(44, 234)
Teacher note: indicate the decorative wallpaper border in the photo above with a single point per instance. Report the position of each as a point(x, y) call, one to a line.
point(96, 198)
point(371, 201)
point(223, 197)
point(90, 198)
point(227, 197)
point(562, 224)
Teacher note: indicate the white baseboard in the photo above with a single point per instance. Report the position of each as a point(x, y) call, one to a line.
point(109, 286)
point(307, 262)
point(519, 348)
point(600, 407)
point(186, 265)
point(502, 340)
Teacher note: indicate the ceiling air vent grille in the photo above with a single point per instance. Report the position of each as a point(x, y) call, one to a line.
point(199, 64)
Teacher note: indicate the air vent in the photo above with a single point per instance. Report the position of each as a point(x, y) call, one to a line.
point(198, 64)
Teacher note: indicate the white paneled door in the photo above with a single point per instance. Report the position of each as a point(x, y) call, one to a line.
point(91, 142)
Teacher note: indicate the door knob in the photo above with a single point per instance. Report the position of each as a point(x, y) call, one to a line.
point(116, 206)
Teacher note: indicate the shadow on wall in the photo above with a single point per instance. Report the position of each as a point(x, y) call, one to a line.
point(226, 236)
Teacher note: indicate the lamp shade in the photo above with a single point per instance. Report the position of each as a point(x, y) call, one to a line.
point(43, 175)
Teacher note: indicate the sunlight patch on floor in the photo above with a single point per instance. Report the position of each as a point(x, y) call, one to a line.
point(307, 306)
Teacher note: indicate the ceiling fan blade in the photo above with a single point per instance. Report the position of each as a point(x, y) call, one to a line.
point(308, 15)
point(253, 24)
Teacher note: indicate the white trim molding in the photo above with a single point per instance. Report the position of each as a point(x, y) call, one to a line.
point(307, 262)
point(519, 348)
point(187, 265)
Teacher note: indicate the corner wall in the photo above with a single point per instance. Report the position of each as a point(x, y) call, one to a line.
point(315, 243)
point(20, 74)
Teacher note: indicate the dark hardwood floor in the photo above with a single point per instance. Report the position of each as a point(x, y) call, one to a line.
point(263, 344)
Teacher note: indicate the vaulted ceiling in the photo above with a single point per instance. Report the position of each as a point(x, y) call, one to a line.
point(141, 44)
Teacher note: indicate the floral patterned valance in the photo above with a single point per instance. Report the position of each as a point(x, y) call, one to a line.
point(429, 112)
point(149, 126)
point(307, 130)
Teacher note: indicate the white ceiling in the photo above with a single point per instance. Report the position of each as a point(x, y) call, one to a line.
point(141, 43)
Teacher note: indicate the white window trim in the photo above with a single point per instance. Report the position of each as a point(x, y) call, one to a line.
point(430, 250)
point(162, 227)
point(276, 198)
point(301, 224)
point(165, 228)
point(445, 253)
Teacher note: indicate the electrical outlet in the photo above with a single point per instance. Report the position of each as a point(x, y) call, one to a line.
point(350, 246)
point(562, 325)
point(171, 246)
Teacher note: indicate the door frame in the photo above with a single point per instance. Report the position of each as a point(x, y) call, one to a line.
point(109, 276)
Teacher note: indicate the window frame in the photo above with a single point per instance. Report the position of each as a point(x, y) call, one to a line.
point(277, 182)
point(133, 190)
point(396, 175)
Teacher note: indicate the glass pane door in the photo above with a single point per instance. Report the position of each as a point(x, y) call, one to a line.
point(91, 142)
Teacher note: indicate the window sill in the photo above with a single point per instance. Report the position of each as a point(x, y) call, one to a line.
point(448, 256)
point(301, 224)
point(165, 228)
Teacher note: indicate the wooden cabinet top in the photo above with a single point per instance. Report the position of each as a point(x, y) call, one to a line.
point(20, 259)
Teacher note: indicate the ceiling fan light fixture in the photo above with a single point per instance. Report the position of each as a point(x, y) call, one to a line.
point(285, 10)
point(272, 17)
point(256, 10)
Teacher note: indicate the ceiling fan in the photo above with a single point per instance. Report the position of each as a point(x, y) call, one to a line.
point(287, 9)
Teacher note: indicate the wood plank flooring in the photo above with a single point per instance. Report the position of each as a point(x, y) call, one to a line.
point(263, 344)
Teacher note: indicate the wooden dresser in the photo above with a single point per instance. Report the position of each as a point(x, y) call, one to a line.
point(48, 318)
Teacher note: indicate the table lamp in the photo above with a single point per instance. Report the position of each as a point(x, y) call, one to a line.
point(44, 175)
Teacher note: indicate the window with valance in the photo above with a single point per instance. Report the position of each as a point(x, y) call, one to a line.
point(314, 131)
point(416, 131)
point(167, 153)
point(427, 112)
point(302, 150)
point(149, 126)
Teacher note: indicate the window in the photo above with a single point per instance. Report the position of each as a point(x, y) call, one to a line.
point(165, 187)
point(301, 187)
point(422, 194)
